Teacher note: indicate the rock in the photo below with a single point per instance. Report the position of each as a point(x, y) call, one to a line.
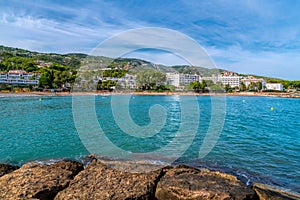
point(5, 169)
point(98, 181)
point(35, 181)
point(187, 183)
point(266, 192)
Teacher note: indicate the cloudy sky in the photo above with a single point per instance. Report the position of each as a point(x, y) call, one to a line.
point(249, 36)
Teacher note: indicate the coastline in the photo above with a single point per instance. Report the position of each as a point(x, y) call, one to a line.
point(103, 178)
point(242, 94)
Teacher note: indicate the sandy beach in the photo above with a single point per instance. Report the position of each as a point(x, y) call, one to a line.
point(255, 94)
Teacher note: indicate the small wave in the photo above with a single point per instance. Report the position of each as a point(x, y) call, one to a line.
point(48, 162)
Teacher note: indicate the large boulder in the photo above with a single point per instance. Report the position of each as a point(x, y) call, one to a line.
point(266, 192)
point(112, 181)
point(5, 169)
point(35, 181)
point(187, 183)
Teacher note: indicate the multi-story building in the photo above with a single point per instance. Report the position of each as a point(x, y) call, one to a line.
point(232, 81)
point(274, 86)
point(226, 78)
point(19, 77)
point(126, 82)
point(250, 79)
point(173, 79)
point(230, 78)
point(178, 80)
point(3, 75)
point(185, 79)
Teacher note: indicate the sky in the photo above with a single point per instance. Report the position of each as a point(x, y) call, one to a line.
point(259, 37)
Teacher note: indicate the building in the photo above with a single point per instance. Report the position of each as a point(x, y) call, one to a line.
point(274, 86)
point(3, 75)
point(232, 81)
point(250, 79)
point(230, 78)
point(213, 78)
point(186, 79)
point(173, 79)
point(178, 80)
point(127, 82)
point(226, 78)
point(19, 77)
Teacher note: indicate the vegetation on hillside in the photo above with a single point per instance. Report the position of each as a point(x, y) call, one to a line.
point(151, 80)
point(60, 71)
point(185, 69)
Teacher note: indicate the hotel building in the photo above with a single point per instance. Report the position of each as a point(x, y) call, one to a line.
point(19, 77)
point(274, 86)
point(178, 80)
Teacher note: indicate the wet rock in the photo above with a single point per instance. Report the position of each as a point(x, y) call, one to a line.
point(266, 192)
point(98, 181)
point(5, 169)
point(187, 183)
point(35, 181)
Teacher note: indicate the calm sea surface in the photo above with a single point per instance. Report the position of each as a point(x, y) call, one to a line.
point(256, 143)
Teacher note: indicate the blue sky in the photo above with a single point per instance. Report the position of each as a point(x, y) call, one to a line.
point(249, 36)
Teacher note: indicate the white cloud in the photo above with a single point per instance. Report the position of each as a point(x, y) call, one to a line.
point(246, 36)
point(284, 65)
point(46, 34)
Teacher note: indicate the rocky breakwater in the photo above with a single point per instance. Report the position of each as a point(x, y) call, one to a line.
point(36, 181)
point(107, 179)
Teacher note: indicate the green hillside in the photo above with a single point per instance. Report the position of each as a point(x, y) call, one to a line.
point(59, 69)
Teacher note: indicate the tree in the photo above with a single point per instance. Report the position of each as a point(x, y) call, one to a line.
point(150, 79)
point(243, 87)
point(260, 86)
point(106, 84)
point(196, 86)
point(203, 85)
point(228, 88)
point(47, 78)
point(3, 86)
point(30, 67)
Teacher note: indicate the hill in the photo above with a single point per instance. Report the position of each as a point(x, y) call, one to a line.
point(64, 66)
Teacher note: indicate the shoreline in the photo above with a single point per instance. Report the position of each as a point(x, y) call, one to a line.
point(121, 175)
point(242, 94)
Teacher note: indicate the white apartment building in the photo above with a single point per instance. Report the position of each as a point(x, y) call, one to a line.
point(173, 79)
point(232, 81)
point(226, 78)
point(230, 78)
point(177, 79)
point(19, 77)
point(185, 79)
point(274, 86)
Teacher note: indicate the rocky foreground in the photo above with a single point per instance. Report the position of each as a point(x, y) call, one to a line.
point(102, 179)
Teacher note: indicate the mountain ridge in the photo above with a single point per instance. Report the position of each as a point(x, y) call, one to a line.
point(76, 60)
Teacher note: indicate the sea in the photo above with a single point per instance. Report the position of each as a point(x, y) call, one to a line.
point(256, 139)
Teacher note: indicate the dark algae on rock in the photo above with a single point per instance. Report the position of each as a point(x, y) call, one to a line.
point(5, 169)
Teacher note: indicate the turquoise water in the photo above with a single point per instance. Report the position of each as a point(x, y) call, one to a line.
point(256, 144)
